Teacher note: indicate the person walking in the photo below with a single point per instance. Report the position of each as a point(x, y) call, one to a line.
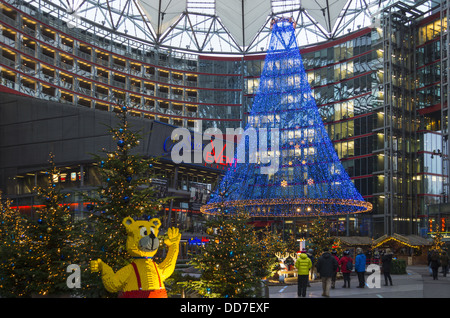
point(326, 266)
point(333, 278)
point(303, 265)
point(386, 261)
point(360, 266)
point(434, 264)
point(429, 263)
point(310, 255)
point(346, 264)
point(444, 263)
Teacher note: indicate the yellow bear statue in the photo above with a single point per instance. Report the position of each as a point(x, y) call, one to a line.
point(143, 278)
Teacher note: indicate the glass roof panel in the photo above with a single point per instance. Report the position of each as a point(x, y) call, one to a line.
point(197, 25)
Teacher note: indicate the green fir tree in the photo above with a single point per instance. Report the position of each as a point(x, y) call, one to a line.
point(55, 239)
point(438, 243)
point(125, 190)
point(227, 261)
point(320, 236)
point(15, 245)
point(236, 259)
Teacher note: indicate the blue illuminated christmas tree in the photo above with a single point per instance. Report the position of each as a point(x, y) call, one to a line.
point(303, 175)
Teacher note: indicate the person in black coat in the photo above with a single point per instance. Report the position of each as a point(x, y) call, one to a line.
point(434, 263)
point(326, 267)
point(386, 260)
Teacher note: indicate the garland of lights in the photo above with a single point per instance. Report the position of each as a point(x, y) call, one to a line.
point(289, 207)
point(310, 179)
point(396, 240)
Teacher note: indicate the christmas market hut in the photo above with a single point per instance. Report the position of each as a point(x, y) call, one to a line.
point(411, 248)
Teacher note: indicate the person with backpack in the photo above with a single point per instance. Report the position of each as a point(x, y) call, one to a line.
point(346, 264)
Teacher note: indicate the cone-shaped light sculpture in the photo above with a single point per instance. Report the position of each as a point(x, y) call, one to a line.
point(300, 174)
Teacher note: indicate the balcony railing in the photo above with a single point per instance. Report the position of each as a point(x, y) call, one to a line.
point(102, 62)
point(101, 79)
point(66, 66)
point(46, 59)
point(118, 84)
point(101, 96)
point(7, 62)
point(8, 41)
point(8, 20)
point(48, 39)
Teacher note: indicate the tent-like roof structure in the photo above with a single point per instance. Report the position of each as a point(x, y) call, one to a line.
point(408, 240)
point(218, 26)
point(244, 18)
point(414, 241)
point(355, 240)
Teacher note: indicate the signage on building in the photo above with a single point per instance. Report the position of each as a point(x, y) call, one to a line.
point(197, 241)
point(215, 158)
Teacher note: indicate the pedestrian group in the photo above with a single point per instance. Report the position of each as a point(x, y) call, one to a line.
point(329, 264)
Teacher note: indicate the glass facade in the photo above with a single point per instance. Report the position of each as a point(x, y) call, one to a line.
point(45, 58)
point(381, 91)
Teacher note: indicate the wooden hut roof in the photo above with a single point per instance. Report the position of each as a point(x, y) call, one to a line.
point(409, 240)
point(355, 240)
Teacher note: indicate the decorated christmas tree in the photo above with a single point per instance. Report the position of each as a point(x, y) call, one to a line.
point(289, 166)
point(438, 243)
point(55, 239)
point(15, 246)
point(320, 236)
point(125, 191)
point(236, 259)
point(337, 246)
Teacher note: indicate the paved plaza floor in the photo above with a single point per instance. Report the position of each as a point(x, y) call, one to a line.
point(417, 283)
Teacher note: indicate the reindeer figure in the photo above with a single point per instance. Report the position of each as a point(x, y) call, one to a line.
point(282, 258)
point(294, 257)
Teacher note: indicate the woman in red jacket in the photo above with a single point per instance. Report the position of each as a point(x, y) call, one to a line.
point(346, 265)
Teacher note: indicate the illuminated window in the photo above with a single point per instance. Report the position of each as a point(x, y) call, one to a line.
point(311, 78)
point(252, 85)
point(431, 31)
